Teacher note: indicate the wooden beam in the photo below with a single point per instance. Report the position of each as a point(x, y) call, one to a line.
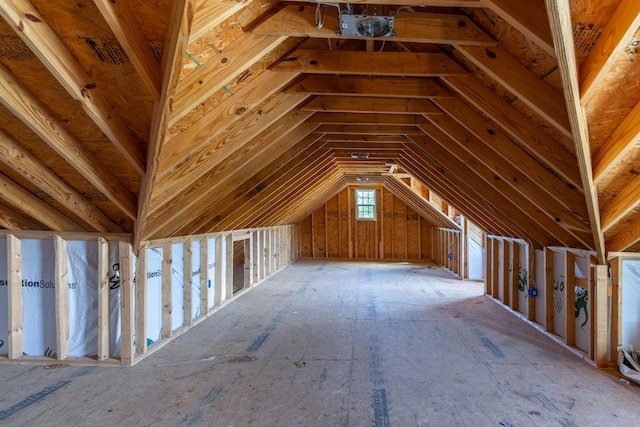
point(103, 299)
point(34, 207)
point(177, 39)
point(416, 27)
point(528, 17)
point(128, 32)
point(320, 84)
point(367, 119)
point(625, 238)
point(548, 283)
point(204, 276)
point(198, 136)
point(61, 297)
point(624, 203)
point(408, 64)
point(227, 175)
point(242, 140)
point(621, 142)
point(616, 304)
point(218, 271)
point(32, 168)
point(30, 111)
point(421, 3)
point(498, 178)
point(560, 17)
point(229, 265)
point(535, 177)
point(519, 127)
point(612, 42)
point(238, 183)
point(570, 297)
point(45, 44)
point(211, 13)
point(240, 55)
point(14, 220)
point(167, 291)
point(480, 181)
point(187, 282)
point(14, 296)
point(518, 79)
point(127, 308)
point(371, 105)
point(142, 264)
point(600, 319)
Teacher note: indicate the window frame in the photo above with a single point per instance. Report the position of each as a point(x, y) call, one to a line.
point(373, 192)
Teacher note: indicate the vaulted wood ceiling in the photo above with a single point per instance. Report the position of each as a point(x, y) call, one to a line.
point(170, 118)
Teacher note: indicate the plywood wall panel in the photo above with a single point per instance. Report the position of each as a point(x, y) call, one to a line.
point(398, 233)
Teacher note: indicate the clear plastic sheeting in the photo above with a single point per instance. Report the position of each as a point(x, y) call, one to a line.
point(628, 363)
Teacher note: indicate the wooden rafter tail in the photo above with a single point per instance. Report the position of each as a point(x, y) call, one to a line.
point(44, 42)
point(177, 40)
point(560, 18)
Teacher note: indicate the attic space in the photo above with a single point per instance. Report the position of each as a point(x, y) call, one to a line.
point(159, 160)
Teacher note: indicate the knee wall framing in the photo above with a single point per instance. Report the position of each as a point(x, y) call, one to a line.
point(266, 251)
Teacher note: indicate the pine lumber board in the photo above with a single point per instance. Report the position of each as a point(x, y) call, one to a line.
point(32, 168)
point(44, 43)
point(28, 109)
point(415, 27)
point(127, 30)
point(408, 64)
point(522, 82)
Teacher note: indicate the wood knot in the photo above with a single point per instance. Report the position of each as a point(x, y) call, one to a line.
point(240, 111)
point(491, 54)
point(32, 18)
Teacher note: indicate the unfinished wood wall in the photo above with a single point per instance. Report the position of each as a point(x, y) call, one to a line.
point(398, 233)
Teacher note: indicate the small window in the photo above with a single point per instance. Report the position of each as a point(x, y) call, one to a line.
point(366, 204)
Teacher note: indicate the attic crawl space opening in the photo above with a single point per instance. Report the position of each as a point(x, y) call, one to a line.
point(154, 124)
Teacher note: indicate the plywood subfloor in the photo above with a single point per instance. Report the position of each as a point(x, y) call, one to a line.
point(382, 345)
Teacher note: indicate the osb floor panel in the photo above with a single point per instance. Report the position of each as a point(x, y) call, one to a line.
point(384, 345)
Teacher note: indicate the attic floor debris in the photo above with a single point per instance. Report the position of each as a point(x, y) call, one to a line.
point(392, 344)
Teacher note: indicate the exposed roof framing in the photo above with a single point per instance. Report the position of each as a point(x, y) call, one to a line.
point(180, 117)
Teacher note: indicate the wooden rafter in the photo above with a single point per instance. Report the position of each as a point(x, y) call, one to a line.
point(218, 71)
point(178, 37)
point(34, 207)
point(127, 30)
point(518, 126)
point(518, 79)
point(560, 19)
point(569, 207)
point(610, 45)
point(32, 168)
point(198, 136)
point(623, 139)
point(230, 172)
point(529, 17)
point(28, 109)
point(44, 42)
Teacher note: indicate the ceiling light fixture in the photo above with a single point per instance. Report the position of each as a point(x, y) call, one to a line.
point(362, 178)
point(366, 21)
point(361, 156)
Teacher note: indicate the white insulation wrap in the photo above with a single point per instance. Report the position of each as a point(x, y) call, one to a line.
point(38, 297)
point(476, 261)
point(631, 303)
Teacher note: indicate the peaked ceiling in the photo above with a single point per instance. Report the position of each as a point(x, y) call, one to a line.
point(170, 118)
